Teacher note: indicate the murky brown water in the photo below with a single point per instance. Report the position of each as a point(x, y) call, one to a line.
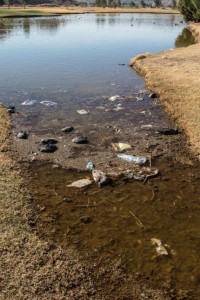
point(168, 207)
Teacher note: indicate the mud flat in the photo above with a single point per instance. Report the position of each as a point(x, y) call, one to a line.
point(174, 75)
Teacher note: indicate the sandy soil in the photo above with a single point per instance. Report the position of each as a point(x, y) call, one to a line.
point(174, 75)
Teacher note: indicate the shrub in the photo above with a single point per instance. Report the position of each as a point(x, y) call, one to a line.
point(190, 9)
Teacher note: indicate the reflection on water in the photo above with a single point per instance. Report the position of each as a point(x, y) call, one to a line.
point(185, 38)
point(60, 58)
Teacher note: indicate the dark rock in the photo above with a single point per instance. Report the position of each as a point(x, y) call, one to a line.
point(85, 219)
point(80, 140)
point(153, 95)
point(50, 141)
point(22, 135)
point(11, 109)
point(49, 148)
point(169, 131)
point(67, 129)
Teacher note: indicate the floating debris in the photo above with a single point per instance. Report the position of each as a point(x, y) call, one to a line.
point(22, 135)
point(80, 140)
point(29, 102)
point(138, 160)
point(120, 147)
point(114, 98)
point(67, 129)
point(49, 103)
point(160, 249)
point(80, 183)
point(82, 112)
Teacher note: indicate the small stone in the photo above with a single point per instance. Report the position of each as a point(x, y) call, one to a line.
point(22, 135)
point(49, 141)
point(11, 109)
point(49, 149)
point(85, 219)
point(169, 131)
point(67, 129)
point(153, 95)
point(80, 140)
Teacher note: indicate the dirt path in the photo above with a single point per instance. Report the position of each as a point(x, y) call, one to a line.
point(174, 75)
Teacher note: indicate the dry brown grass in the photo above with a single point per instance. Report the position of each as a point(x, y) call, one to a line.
point(80, 10)
point(174, 75)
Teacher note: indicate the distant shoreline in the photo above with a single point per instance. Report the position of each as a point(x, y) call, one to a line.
point(37, 11)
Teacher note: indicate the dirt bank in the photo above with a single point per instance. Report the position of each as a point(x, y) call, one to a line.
point(39, 11)
point(174, 75)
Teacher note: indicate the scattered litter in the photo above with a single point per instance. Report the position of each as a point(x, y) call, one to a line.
point(22, 135)
point(160, 249)
point(153, 95)
point(80, 140)
point(100, 177)
point(114, 98)
point(48, 103)
point(120, 147)
point(29, 102)
point(67, 129)
point(143, 174)
point(169, 131)
point(49, 141)
point(146, 126)
point(80, 183)
point(139, 98)
point(139, 160)
point(82, 112)
point(49, 148)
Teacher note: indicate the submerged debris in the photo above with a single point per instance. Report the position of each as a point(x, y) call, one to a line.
point(80, 183)
point(82, 112)
point(139, 160)
point(114, 98)
point(28, 102)
point(100, 177)
point(11, 109)
point(48, 103)
point(80, 140)
point(120, 147)
point(169, 131)
point(67, 129)
point(85, 219)
point(22, 135)
point(160, 249)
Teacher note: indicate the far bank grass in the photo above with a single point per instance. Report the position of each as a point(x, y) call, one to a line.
point(47, 11)
point(175, 76)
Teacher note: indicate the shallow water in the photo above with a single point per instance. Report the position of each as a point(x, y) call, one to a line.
point(167, 206)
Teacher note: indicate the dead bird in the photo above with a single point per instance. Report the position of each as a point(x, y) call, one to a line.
point(100, 177)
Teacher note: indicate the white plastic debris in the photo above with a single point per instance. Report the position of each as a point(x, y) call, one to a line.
point(160, 249)
point(138, 160)
point(80, 183)
point(82, 112)
point(28, 102)
point(114, 98)
point(48, 103)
